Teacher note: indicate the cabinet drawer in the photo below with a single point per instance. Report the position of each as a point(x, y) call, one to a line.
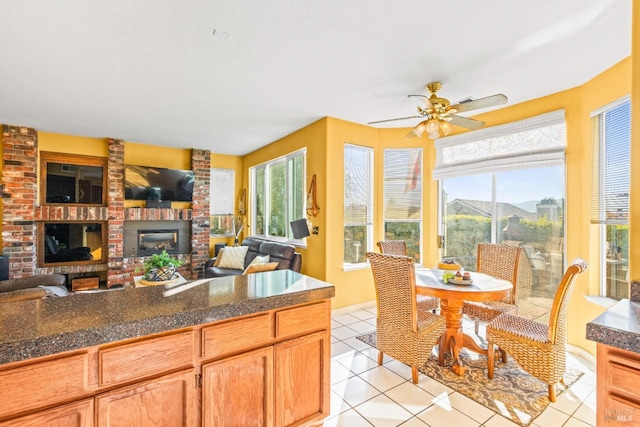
point(43, 383)
point(237, 335)
point(300, 320)
point(76, 414)
point(624, 375)
point(144, 358)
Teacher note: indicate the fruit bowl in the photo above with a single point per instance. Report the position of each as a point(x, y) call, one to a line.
point(449, 266)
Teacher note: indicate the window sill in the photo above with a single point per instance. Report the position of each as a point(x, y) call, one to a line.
point(601, 301)
point(354, 267)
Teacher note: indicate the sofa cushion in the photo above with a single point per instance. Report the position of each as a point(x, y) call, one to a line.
point(233, 257)
point(282, 254)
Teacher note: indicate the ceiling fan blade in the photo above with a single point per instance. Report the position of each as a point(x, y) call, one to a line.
point(489, 101)
point(466, 122)
point(421, 101)
point(392, 120)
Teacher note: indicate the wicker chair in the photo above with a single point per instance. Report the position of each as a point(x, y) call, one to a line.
point(403, 332)
point(539, 349)
point(398, 247)
point(499, 261)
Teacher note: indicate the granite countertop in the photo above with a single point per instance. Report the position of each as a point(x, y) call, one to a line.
point(619, 326)
point(36, 328)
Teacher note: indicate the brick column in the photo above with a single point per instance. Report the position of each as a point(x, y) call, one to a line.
point(19, 166)
point(115, 208)
point(201, 166)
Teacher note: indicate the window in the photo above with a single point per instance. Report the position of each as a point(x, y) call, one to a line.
point(403, 198)
point(221, 206)
point(358, 203)
point(506, 185)
point(278, 196)
point(611, 134)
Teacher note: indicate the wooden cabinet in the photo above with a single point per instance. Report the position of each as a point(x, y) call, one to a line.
point(166, 401)
point(618, 376)
point(77, 414)
point(302, 378)
point(238, 391)
point(29, 386)
point(268, 369)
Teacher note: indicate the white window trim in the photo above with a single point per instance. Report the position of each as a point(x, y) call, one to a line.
point(252, 173)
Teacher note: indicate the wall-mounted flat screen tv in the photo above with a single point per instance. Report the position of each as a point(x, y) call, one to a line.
point(150, 183)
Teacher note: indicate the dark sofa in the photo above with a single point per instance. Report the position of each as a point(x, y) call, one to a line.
point(26, 288)
point(284, 254)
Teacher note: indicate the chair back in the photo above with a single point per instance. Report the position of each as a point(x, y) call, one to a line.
point(500, 261)
point(558, 315)
point(392, 247)
point(394, 278)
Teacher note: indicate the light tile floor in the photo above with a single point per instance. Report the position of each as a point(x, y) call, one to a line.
point(365, 394)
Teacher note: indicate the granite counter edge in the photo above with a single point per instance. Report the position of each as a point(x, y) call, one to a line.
point(105, 334)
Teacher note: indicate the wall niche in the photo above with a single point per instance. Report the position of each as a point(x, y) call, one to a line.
point(69, 179)
point(71, 243)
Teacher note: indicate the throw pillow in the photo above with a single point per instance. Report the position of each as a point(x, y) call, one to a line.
point(218, 258)
point(233, 257)
point(260, 259)
point(256, 268)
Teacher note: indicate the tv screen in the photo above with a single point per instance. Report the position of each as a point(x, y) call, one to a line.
point(150, 183)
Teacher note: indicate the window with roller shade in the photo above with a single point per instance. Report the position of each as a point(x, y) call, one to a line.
point(611, 135)
point(403, 198)
point(358, 204)
point(221, 200)
point(506, 184)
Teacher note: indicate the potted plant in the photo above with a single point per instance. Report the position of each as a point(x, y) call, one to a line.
point(160, 267)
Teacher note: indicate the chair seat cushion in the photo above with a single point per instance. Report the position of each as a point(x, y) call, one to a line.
point(426, 303)
point(518, 327)
point(489, 310)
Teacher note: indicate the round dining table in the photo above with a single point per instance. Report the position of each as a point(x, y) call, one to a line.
point(452, 297)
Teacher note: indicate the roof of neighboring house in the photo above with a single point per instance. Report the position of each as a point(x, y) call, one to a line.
point(484, 208)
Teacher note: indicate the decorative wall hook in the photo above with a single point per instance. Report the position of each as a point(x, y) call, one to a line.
point(242, 202)
point(312, 205)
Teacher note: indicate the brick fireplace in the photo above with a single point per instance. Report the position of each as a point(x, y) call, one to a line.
point(21, 214)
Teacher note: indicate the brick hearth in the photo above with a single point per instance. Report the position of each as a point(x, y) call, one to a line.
point(20, 213)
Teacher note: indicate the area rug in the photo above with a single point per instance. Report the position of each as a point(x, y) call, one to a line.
point(512, 392)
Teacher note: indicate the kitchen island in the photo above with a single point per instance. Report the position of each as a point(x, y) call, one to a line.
point(238, 350)
point(617, 333)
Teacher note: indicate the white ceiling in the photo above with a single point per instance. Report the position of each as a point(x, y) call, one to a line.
point(153, 72)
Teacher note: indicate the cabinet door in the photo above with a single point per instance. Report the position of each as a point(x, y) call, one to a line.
point(238, 391)
point(77, 414)
point(302, 379)
point(162, 402)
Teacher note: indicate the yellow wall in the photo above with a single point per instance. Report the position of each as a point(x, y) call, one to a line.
point(313, 138)
point(356, 286)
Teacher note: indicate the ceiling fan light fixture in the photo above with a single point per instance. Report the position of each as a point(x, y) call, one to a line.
point(419, 130)
point(446, 127)
point(432, 126)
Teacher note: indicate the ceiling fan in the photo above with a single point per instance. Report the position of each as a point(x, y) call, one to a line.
point(439, 115)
